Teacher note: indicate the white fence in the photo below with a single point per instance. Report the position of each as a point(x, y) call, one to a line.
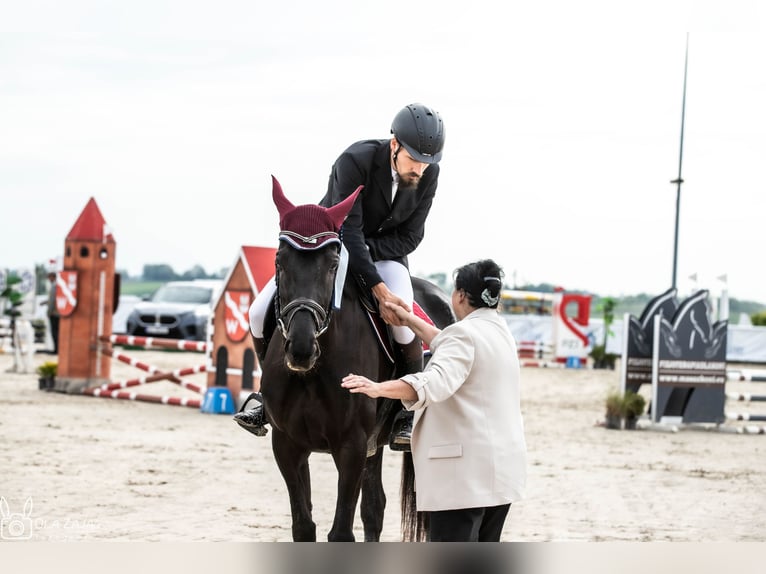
point(745, 343)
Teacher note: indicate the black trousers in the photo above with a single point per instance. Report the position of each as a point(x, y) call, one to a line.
point(484, 524)
point(54, 321)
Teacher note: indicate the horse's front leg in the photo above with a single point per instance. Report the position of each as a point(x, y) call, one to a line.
point(349, 460)
point(293, 463)
point(373, 497)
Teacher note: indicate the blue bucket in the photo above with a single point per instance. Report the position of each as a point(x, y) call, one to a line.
point(573, 362)
point(218, 401)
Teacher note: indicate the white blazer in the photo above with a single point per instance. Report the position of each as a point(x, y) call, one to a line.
point(468, 443)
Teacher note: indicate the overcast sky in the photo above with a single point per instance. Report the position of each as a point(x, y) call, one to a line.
point(563, 124)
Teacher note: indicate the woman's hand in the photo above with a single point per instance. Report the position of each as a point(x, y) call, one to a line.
point(360, 384)
point(403, 314)
point(396, 389)
point(387, 300)
point(405, 317)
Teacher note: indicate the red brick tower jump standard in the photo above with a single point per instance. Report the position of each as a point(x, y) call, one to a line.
point(232, 355)
point(85, 299)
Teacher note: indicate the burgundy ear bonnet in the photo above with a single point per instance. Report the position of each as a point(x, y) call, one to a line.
point(310, 226)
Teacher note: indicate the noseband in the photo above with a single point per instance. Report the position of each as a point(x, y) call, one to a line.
point(318, 313)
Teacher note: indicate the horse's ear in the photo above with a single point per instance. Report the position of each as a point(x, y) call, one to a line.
point(339, 211)
point(283, 204)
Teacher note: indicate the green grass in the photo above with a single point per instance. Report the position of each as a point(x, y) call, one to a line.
point(139, 288)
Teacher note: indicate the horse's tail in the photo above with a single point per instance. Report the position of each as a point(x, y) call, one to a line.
point(414, 523)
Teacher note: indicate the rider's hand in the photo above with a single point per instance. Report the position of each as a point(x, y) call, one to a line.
point(384, 295)
point(402, 314)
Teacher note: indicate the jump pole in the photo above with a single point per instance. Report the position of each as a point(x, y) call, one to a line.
point(172, 376)
point(165, 400)
point(744, 417)
point(156, 342)
point(744, 375)
point(746, 397)
point(110, 389)
point(541, 364)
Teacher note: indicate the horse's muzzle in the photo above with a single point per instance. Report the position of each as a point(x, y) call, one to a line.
point(301, 358)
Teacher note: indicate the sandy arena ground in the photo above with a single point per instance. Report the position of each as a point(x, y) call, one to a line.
point(98, 469)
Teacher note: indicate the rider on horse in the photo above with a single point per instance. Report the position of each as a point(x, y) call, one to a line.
point(400, 176)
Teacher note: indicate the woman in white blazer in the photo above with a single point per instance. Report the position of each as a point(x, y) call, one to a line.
point(468, 444)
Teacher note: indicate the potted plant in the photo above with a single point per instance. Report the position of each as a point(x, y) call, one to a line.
point(614, 410)
point(633, 406)
point(602, 359)
point(47, 372)
point(11, 300)
point(599, 356)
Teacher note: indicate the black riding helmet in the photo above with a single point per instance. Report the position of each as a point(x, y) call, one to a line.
point(420, 130)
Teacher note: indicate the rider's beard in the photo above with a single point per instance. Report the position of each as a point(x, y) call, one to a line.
point(408, 181)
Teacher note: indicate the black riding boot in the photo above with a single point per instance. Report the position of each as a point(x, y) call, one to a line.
point(409, 359)
point(254, 419)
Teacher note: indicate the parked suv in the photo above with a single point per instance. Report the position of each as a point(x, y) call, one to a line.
point(177, 310)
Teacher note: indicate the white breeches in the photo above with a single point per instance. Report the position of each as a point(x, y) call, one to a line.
point(394, 275)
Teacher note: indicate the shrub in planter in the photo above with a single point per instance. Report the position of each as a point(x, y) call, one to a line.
point(602, 359)
point(614, 410)
point(633, 407)
point(47, 372)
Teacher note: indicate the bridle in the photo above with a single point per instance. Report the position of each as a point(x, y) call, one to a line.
point(319, 314)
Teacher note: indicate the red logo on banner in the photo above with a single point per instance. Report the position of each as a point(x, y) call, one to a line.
point(66, 292)
point(236, 305)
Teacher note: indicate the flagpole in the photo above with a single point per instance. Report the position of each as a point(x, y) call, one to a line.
point(679, 180)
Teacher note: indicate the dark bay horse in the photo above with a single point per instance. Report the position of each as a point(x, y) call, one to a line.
point(312, 349)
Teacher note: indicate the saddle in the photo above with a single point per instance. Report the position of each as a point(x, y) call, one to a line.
point(379, 327)
point(382, 329)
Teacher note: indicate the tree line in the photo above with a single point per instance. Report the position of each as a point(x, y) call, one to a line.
point(164, 272)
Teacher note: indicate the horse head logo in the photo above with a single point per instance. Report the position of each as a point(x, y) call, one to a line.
point(700, 338)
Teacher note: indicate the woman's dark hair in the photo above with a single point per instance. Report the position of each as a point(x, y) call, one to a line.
point(481, 281)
